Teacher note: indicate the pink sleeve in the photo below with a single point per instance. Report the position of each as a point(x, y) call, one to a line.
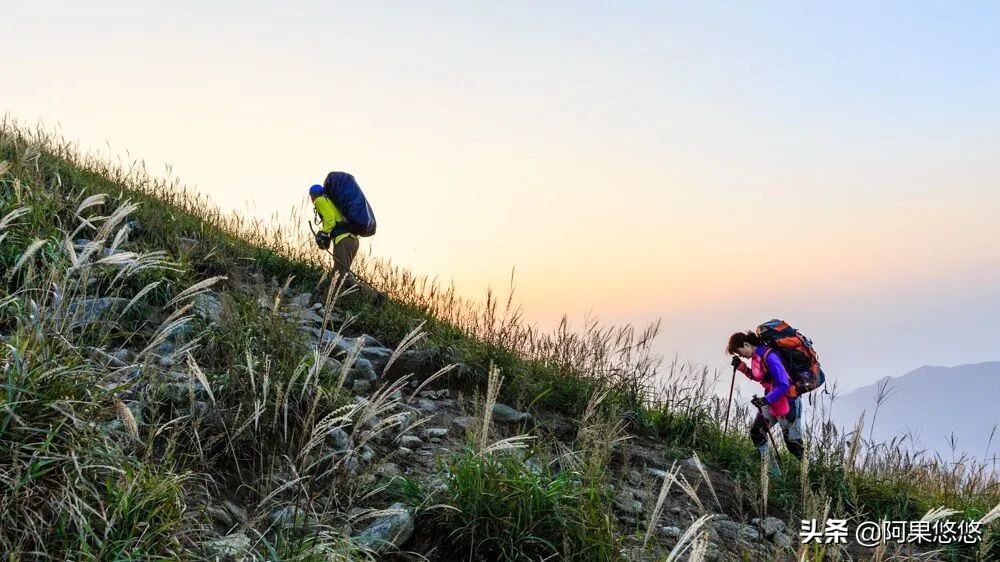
point(746, 370)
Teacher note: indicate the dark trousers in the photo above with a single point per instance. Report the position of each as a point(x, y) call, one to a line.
point(344, 253)
point(791, 428)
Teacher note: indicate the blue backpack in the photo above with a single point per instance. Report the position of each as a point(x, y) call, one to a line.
point(347, 196)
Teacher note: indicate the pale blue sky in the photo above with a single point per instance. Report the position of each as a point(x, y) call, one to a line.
point(713, 164)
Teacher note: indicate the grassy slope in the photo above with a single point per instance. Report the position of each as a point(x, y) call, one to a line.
point(140, 507)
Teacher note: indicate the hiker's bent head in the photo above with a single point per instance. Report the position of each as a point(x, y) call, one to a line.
point(743, 344)
point(315, 191)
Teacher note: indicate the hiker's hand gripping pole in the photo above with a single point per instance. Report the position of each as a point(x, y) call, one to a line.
point(327, 249)
point(774, 446)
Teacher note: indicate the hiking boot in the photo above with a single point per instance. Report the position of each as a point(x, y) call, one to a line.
point(795, 448)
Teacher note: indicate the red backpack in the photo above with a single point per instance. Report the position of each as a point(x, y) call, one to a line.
point(797, 354)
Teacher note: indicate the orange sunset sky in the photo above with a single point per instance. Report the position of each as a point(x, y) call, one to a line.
point(709, 164)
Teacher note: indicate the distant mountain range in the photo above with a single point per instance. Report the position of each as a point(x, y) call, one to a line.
point(933, 403)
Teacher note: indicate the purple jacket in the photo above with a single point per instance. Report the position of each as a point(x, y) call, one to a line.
point(772, 376)
point(779, 375)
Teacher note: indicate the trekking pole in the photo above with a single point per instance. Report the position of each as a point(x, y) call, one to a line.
point(730, 403)
point(774, 446)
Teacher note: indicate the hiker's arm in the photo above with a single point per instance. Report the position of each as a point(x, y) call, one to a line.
point(325, 209)
point(781, 381)
point(745, 369)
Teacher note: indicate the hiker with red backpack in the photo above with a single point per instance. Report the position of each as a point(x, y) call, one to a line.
point(345, 214)
point(783, 361)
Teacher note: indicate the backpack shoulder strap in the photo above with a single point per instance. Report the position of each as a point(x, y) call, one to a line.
point(763, 362)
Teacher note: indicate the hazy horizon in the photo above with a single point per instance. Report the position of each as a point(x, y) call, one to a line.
point(711, 165)
point(934, 429)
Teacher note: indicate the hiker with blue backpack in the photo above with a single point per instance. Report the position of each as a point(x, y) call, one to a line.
point(345, 215)
point(784, 362)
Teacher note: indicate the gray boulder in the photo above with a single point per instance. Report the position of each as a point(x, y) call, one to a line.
point(691, 463)
point(625, 503)
point(634, 477)
point(208, 306)
point(406, 419)
point(727, 529)
point(236, 545)
point(749, 533)
point(368, 341)
point(370, 423)
point(339, 440)
point(89, 311)
point(770, 526)
point(305, 317)
point(326, 337)
point(163, 355)
point(343, 344)
point(367, 455)
point(301, 300)
point(236, 511)
point(332, 364)
point(422, 362)
point(410, 442)
point(389, 532)
point(220, 515)
point(435, 433)
point(120, 377)
point(181, 333)
point(503, 413)
point(361, 370)
point(657, 473)
point(377, 356)
point(427, 406)
point(352, 465)
point(124, 355)
point(782, 540)
point(463, 424)
point(388, 470)
point(669, 532)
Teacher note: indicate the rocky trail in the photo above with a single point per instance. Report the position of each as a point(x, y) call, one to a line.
point(432, 421)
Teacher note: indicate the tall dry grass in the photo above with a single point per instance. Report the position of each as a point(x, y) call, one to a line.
point(54, 193)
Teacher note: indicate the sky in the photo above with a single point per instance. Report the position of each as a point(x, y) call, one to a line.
point(709, 164)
